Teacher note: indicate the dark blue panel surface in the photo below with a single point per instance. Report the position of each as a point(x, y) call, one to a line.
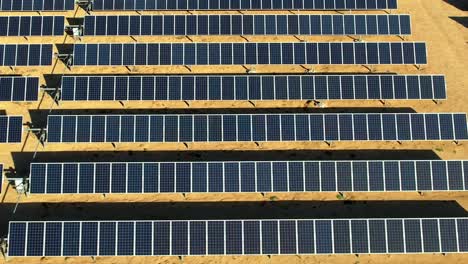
point(255, 53)
point(225, 5)
point(17, 239)
point(107, 238)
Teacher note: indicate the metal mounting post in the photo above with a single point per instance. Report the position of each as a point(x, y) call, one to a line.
point(4, 248)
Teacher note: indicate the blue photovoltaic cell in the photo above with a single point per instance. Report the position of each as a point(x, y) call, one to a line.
point(270, 237)
point(143, 238)
point(377, 236)
point(17, 239)
point(284, 176)
point(25, 54)
point(430, 231)
point(107, 237)
point(197, 238)
point(53, 239)
point(462, 228)
point(263, 127)
point(35, 239)
point(413, 237)
point(240, 237)
point(395, 236)
point(359, 234)
point(11, 129)
point(239, 25)
point(32, 26)
point(272, 87)
point(242, 4)
point(125, 238)
point(89, 235)
point(251, 237)
point(270, 53)
point(161, 235)
point(71, 238)
point(37, 5)
point(448, 233)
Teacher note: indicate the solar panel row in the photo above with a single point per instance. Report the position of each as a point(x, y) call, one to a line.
point(256, 127)
point(257, 87)
point(239, 237)
point(25, 54)
point(241, 4)
point(17, 89)
point(248, 25)
point(248, 176)
point(11, 129)
point(368, 53)
point(32, 26)
point(37, 5)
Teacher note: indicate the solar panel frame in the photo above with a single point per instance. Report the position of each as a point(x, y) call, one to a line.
point(32, 26)
point(246, 53)
point(36, 5)
point(288, 176)
point(320, 127)
point(180, 26)
point(19, 89)
point(99, 5)
point(11, 129)
point(238, 87)
point(36, 54)
point(175, 239)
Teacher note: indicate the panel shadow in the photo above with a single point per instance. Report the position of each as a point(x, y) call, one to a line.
point(461, 20)
point(39, 117)
point(22, 160)
point(460, 4)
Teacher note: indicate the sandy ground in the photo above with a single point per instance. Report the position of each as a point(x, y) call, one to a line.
point(447, 50)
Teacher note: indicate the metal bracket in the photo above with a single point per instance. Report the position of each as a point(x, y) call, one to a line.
point(55, 93)
point(75, 30)
point(66, 58)
point(87, 5)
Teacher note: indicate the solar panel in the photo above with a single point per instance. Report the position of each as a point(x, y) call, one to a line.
point(248, 176)
point(256, 127)
point(239, 237)
point(368, 53)
point(36, 5)
point(32, 26)
point(25, 54)
point(11, 129)
point(247, 25)
point(19, 89)
point(253, 87)
point(243, 4)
